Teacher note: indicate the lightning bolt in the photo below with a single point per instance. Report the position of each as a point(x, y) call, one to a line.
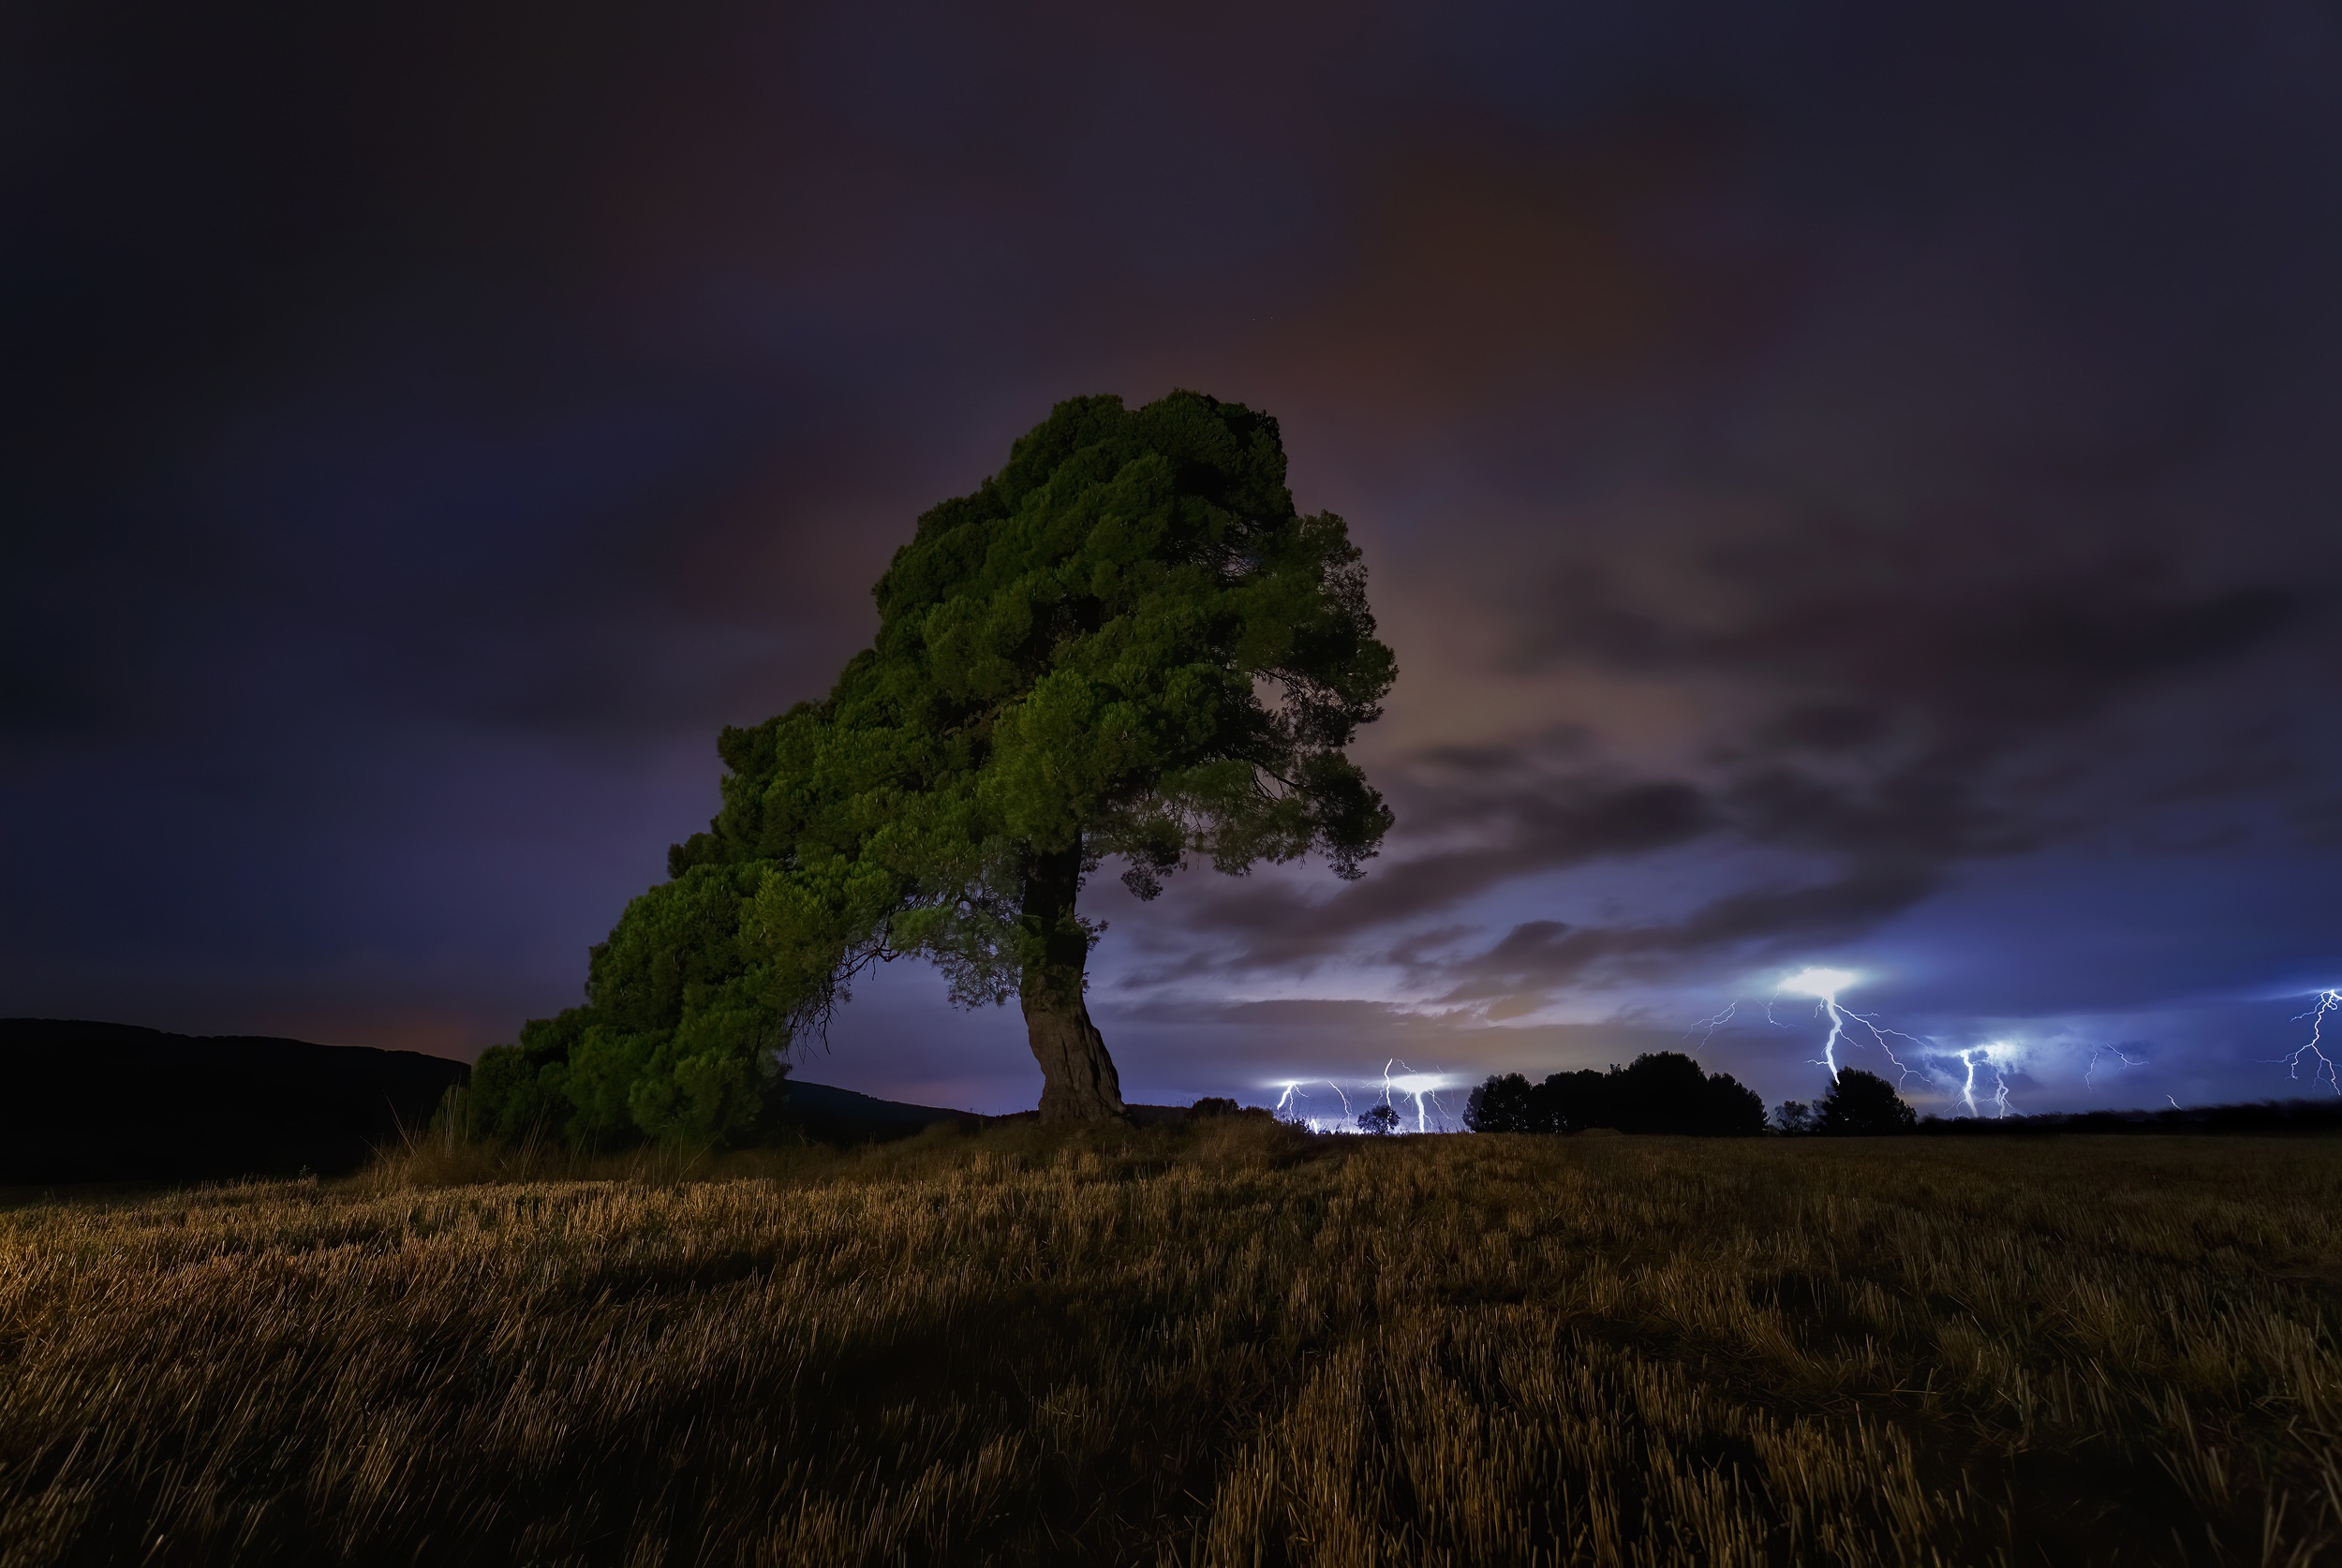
point(1399, 1078)
point(1707, 1028)
point(1290, 1101)
point(2122, 1060)
point(1823, 985)
point(1979, 1055)
point(1398, 1081)
point(2313, 1050)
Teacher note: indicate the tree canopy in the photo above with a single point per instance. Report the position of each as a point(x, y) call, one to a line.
point(1126, 644)
point(1863, 1104)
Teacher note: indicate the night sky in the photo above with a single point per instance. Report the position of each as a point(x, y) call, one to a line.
point(1845, 487)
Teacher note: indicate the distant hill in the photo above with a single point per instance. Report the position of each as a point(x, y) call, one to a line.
point(87, 1101)
point(836, 1115)
point(84, 1102)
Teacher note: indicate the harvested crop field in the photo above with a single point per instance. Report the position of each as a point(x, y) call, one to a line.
point(1229, 1344)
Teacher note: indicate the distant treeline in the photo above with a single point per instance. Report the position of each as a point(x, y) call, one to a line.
point(1666, 1092)
point(1663, 1092)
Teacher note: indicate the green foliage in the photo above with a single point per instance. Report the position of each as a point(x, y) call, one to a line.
point(1128, 643)
point(508, 1099)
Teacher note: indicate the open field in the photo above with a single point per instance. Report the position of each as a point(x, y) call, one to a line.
point(1223, 1344)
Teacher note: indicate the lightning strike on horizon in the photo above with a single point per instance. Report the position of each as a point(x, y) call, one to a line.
point(1290, 1101)
point(1398, 1081)
point(1290, 1106)
point(1421, 1085)
point(2314, 1048)
point(1974, 1056)
point(1824, 985)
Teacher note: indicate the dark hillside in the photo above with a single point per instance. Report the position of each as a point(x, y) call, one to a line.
point(838, 1116)
point(848, 1117)
point(89, 1102)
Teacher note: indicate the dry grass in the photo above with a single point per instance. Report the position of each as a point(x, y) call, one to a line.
point(1223, 1345)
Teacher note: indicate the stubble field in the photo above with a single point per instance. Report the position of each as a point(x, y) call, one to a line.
point(1223, 1344)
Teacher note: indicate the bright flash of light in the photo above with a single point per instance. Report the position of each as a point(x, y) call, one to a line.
point(1399, 1078)
point(1289, 1104)
point(1823, 985)
point(1986, 1056)
point(1398, 1082)
point(2312, 1053)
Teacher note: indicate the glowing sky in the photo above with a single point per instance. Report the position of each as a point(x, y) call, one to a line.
point(1848, 489)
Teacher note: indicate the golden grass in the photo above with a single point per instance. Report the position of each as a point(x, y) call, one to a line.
point(1228, 1344)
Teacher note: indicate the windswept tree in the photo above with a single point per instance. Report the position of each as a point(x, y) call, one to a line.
point(1127, 645)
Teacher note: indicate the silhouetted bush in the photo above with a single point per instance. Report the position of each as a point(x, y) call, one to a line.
point(1379, 1118)
point(1864, 1104)
point(1663, 1092)
point(1213, 1106)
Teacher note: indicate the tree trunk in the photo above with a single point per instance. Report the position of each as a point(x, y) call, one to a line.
point(1077, 1077)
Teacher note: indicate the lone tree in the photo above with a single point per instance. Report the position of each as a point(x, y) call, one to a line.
point(1126, 644)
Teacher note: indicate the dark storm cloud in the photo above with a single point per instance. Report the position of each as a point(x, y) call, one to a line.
point(1542, 955)
point(1551, 823)
point(1913, 624)
point(1903, 729)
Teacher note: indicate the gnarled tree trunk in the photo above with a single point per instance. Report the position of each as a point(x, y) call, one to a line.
point(1077, 1077)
